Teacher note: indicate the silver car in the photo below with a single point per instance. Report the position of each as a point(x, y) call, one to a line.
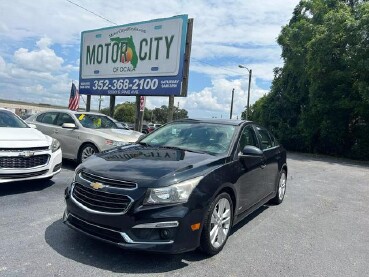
point(82, 134)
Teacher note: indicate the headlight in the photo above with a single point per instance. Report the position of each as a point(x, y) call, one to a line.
point(178, 193)
point(55, 145)
point(114, 142)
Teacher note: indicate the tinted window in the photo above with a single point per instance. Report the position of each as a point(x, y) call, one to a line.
point(96, 121)
point(49, 118)
point(10, 120)
point(248, 137)
point(198, 137)
point(265, 139)
point(39, 117)
point(64, 118)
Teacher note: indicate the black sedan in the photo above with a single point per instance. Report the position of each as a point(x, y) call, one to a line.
point(180, 188)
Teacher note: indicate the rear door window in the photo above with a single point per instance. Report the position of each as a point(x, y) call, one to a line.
point(49, 118)
point(265, 139)
point(64, 118)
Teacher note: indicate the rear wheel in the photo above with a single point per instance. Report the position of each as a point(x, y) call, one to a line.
point(86, 151)
point(217, 225)
point(281, 190)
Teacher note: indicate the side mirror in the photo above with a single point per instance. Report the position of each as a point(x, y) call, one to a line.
point(252, 151)
point(33, 126)
point(69, 126)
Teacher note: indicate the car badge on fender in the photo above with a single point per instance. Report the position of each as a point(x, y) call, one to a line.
point(96, 185)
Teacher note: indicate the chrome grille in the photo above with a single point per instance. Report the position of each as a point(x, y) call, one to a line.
point(33, 149)
point(107, 181)
point(22, 175)
point(100, 201)
point(23, 162)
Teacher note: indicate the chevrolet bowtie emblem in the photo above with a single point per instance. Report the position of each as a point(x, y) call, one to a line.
point(96, 185)
point(26, 154)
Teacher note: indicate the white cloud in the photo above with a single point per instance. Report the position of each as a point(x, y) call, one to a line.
point(42, 59)
point(226, 33)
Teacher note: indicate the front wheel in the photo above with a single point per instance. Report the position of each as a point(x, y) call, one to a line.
point(217, 224)
point(86, 151)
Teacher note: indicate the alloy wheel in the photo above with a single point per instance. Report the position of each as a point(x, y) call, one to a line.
point(282, 186)
point(87, 152)
point(220, 223)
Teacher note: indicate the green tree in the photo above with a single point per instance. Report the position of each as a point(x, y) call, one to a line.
point(319, 99)
point(125, 112)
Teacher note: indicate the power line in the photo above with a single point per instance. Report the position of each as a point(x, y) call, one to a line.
point(91, 12)
point(223, 68)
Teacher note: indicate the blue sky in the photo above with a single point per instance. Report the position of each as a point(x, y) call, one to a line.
point(40, 48)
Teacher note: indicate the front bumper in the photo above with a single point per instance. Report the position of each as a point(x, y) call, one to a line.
point(167, 229)
point(46, 171)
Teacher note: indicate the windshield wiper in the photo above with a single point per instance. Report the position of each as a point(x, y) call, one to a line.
point(144, 143)
point(183, 149)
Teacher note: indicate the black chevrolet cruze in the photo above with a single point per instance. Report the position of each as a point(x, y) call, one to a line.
point(179, 188)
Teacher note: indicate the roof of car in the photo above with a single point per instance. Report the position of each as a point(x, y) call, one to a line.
point(69, 111)
point(215, 121)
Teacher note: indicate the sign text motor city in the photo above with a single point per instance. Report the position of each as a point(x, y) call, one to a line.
point(149, 49)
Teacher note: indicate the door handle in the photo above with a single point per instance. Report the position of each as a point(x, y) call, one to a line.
point(56, 131)
point(263, 166)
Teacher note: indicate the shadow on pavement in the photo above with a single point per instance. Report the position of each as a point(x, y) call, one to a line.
point(85, 250)
point(249, 218)
point(24, 186)
point(69, 164)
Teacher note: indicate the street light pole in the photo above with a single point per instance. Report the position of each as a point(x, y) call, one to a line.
point(230, 116)
point(248, 92)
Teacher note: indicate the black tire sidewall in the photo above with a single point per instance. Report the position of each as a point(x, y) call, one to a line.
point(83, 148)
point(276, 199)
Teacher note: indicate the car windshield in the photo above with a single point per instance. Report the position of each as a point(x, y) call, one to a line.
point(96, 121)
point(210, 138)
point(9, 120)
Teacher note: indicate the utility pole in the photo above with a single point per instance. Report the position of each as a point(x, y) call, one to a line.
point(100, 100)
point(230, 115)
point(248, 92)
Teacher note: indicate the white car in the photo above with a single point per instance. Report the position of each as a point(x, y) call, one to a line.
point(26, 153)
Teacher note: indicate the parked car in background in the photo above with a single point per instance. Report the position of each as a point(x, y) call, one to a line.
point(147, 129)
point(179, 188)
point(82, 134)
point(26, 153)
point(122, 125)
point(155, 125)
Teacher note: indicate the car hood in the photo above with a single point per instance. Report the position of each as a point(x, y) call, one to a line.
point(149, 166)
point(120, 134)
point(22, 138)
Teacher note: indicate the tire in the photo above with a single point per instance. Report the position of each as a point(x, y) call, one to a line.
point(281, 190)
point(86, 151)
point(211, 243)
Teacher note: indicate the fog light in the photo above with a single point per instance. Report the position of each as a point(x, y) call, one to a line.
point(165, 234)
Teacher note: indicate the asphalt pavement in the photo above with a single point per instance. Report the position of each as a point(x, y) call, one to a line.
point(321, 229)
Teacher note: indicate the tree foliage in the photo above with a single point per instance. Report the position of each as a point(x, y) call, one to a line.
point(126, 112)
point(319, 99)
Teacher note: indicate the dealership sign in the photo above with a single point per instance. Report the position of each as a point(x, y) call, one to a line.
point(144, 58)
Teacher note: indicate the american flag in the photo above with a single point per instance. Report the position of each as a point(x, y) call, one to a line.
point(74, 98)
